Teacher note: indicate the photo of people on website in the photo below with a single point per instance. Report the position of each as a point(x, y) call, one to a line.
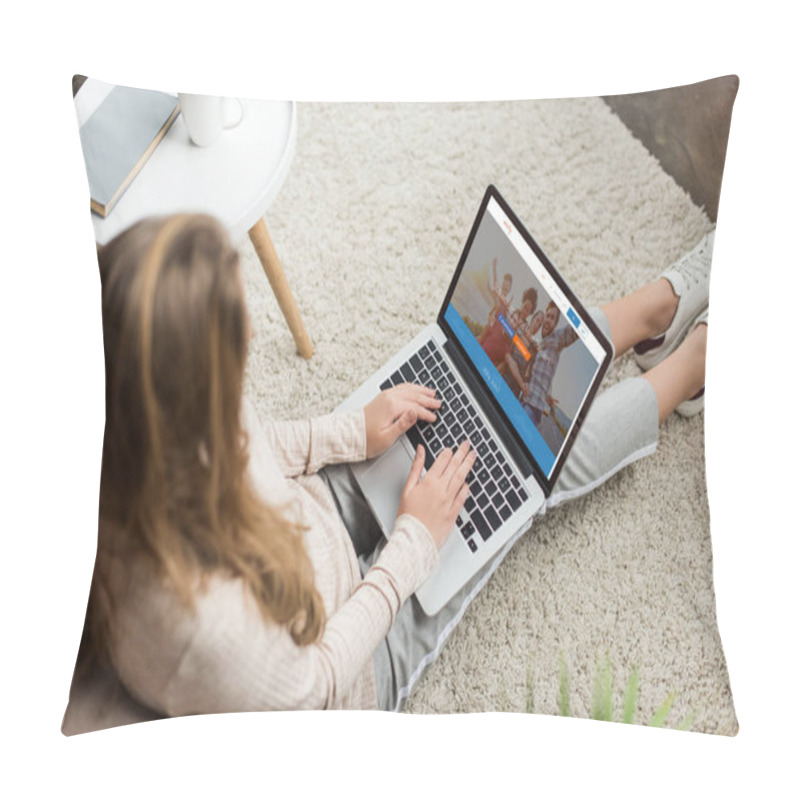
point(527, 337)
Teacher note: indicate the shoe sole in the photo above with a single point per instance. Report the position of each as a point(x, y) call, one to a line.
point(692, 406)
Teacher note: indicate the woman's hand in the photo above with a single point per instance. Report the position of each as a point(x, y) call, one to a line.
point(394, 411)
point(436, 499)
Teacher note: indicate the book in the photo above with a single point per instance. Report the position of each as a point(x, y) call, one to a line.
point(119, 138)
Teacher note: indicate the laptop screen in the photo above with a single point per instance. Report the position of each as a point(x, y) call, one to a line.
point(533, 346)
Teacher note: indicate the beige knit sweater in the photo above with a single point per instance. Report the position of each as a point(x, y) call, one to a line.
point(224, 657)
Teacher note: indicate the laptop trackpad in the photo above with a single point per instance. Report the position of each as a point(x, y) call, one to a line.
point(383, 483)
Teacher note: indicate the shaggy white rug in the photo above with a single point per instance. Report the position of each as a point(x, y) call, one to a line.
point(370, 225)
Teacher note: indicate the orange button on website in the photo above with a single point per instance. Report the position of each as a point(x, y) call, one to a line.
point(521, 347)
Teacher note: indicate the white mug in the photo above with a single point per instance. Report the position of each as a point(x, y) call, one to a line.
point(206, 116)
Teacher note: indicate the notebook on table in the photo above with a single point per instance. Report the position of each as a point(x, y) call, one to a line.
point(515, 383)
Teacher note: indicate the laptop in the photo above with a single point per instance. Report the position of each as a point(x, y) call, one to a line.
point(516, 360)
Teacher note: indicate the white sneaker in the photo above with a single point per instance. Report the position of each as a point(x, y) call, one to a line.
point(690, 279)
point(694, 405)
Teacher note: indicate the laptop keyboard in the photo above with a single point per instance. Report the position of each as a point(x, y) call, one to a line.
point(495, 491)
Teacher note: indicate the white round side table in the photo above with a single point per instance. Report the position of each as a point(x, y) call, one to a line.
point(235, 179)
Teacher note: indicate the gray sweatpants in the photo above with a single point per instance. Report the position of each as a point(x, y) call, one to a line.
point(620, 428)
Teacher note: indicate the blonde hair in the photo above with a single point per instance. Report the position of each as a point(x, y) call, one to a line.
point(174, 483)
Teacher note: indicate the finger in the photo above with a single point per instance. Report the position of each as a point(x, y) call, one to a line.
point(417, 393)
point(415, 473)
point(420, 410)
point(459, 500)
point(427, 396)
point(440, 465)
point(430, 405)
point(425, 414)
point(457, 460)
point(417, 389)
point(414, 387)
point(462, 470)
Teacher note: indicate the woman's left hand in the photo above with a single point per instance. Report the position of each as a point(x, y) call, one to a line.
point(394, 411)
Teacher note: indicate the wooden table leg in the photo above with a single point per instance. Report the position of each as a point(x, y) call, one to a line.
point(262, 242)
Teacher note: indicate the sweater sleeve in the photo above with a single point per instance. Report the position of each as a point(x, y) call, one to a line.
point(238, 662)
point(306, 446)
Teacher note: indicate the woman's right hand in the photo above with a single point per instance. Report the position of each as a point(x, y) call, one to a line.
point(436, 499)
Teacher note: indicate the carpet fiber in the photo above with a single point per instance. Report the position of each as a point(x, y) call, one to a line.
point(370, 225)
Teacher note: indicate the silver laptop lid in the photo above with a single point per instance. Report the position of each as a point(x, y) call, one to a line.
point(535, 353)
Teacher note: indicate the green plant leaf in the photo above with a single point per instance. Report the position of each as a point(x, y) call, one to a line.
point(602, 697)
point(631, 696)
point(601, 703)
point(563, 690)
point(660, 717)
point(686, 723)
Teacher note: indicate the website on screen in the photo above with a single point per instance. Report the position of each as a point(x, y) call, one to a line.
point(533, 350)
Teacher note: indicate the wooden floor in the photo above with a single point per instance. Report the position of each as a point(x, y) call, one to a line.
point(686, 129)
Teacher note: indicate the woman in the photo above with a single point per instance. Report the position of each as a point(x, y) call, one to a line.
point(230, 575)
